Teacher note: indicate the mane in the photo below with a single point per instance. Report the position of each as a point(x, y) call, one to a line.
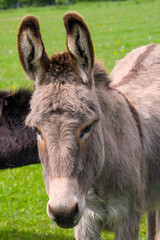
point(14, 106)
point(101, 77)
point(24, 93)
point(60, 63)
point(18, 100)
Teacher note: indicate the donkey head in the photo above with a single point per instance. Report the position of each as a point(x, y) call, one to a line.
point(66, 115)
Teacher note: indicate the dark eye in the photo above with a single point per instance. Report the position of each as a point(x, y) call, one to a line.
point(86, 130)
point(39, 133)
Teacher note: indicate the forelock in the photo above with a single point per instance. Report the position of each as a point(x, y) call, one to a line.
point(55, 98)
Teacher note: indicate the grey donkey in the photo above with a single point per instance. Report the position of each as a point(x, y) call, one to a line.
point(98, 140)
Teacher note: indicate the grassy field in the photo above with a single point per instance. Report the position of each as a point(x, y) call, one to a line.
point(116, 28)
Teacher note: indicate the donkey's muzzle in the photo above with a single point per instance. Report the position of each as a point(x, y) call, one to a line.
point(66, 202)
point(65, 217)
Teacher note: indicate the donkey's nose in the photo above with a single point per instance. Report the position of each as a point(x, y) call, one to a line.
point(64, 216)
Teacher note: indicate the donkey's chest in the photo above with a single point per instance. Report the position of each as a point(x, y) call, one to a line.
point(110, 209)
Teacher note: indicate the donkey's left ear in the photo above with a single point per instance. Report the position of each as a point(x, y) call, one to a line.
point(79, 45)
point(31, 49)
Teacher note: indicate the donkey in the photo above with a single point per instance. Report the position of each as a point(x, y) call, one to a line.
point(18, 145)
point(99, 144)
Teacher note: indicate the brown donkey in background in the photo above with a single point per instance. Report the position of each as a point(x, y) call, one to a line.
point(99, 143)
point(18, 146)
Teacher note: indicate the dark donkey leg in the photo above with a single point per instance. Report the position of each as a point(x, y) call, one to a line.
point(129, 228)
point(158, 225)
point(151, 225)
point(153, 221)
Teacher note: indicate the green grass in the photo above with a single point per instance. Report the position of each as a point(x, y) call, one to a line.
point(116, 28)
point(23, 208)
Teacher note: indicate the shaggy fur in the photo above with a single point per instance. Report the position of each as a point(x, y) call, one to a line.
point(17, 142)
point(145, 72)
point(103, 135)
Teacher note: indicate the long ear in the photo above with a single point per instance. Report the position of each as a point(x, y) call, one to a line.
point(79, 45)
point(31, 49)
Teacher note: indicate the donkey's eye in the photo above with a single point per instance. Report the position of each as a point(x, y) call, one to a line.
point(39, 133)
point(85, 131)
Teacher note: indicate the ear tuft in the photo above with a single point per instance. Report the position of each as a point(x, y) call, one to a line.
point(31, 49)
point(30, 22)
point(79, 44)
point(72, 18)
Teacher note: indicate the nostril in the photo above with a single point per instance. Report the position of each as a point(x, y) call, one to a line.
point(49, 207)
point(76, 210)
point(50, 212)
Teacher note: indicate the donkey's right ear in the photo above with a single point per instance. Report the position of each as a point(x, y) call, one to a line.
point(31, 49)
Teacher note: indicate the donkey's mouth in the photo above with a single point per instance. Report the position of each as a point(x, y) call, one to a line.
point(67, 224)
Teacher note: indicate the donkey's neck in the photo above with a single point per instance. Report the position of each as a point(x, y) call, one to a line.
point(122, 140)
